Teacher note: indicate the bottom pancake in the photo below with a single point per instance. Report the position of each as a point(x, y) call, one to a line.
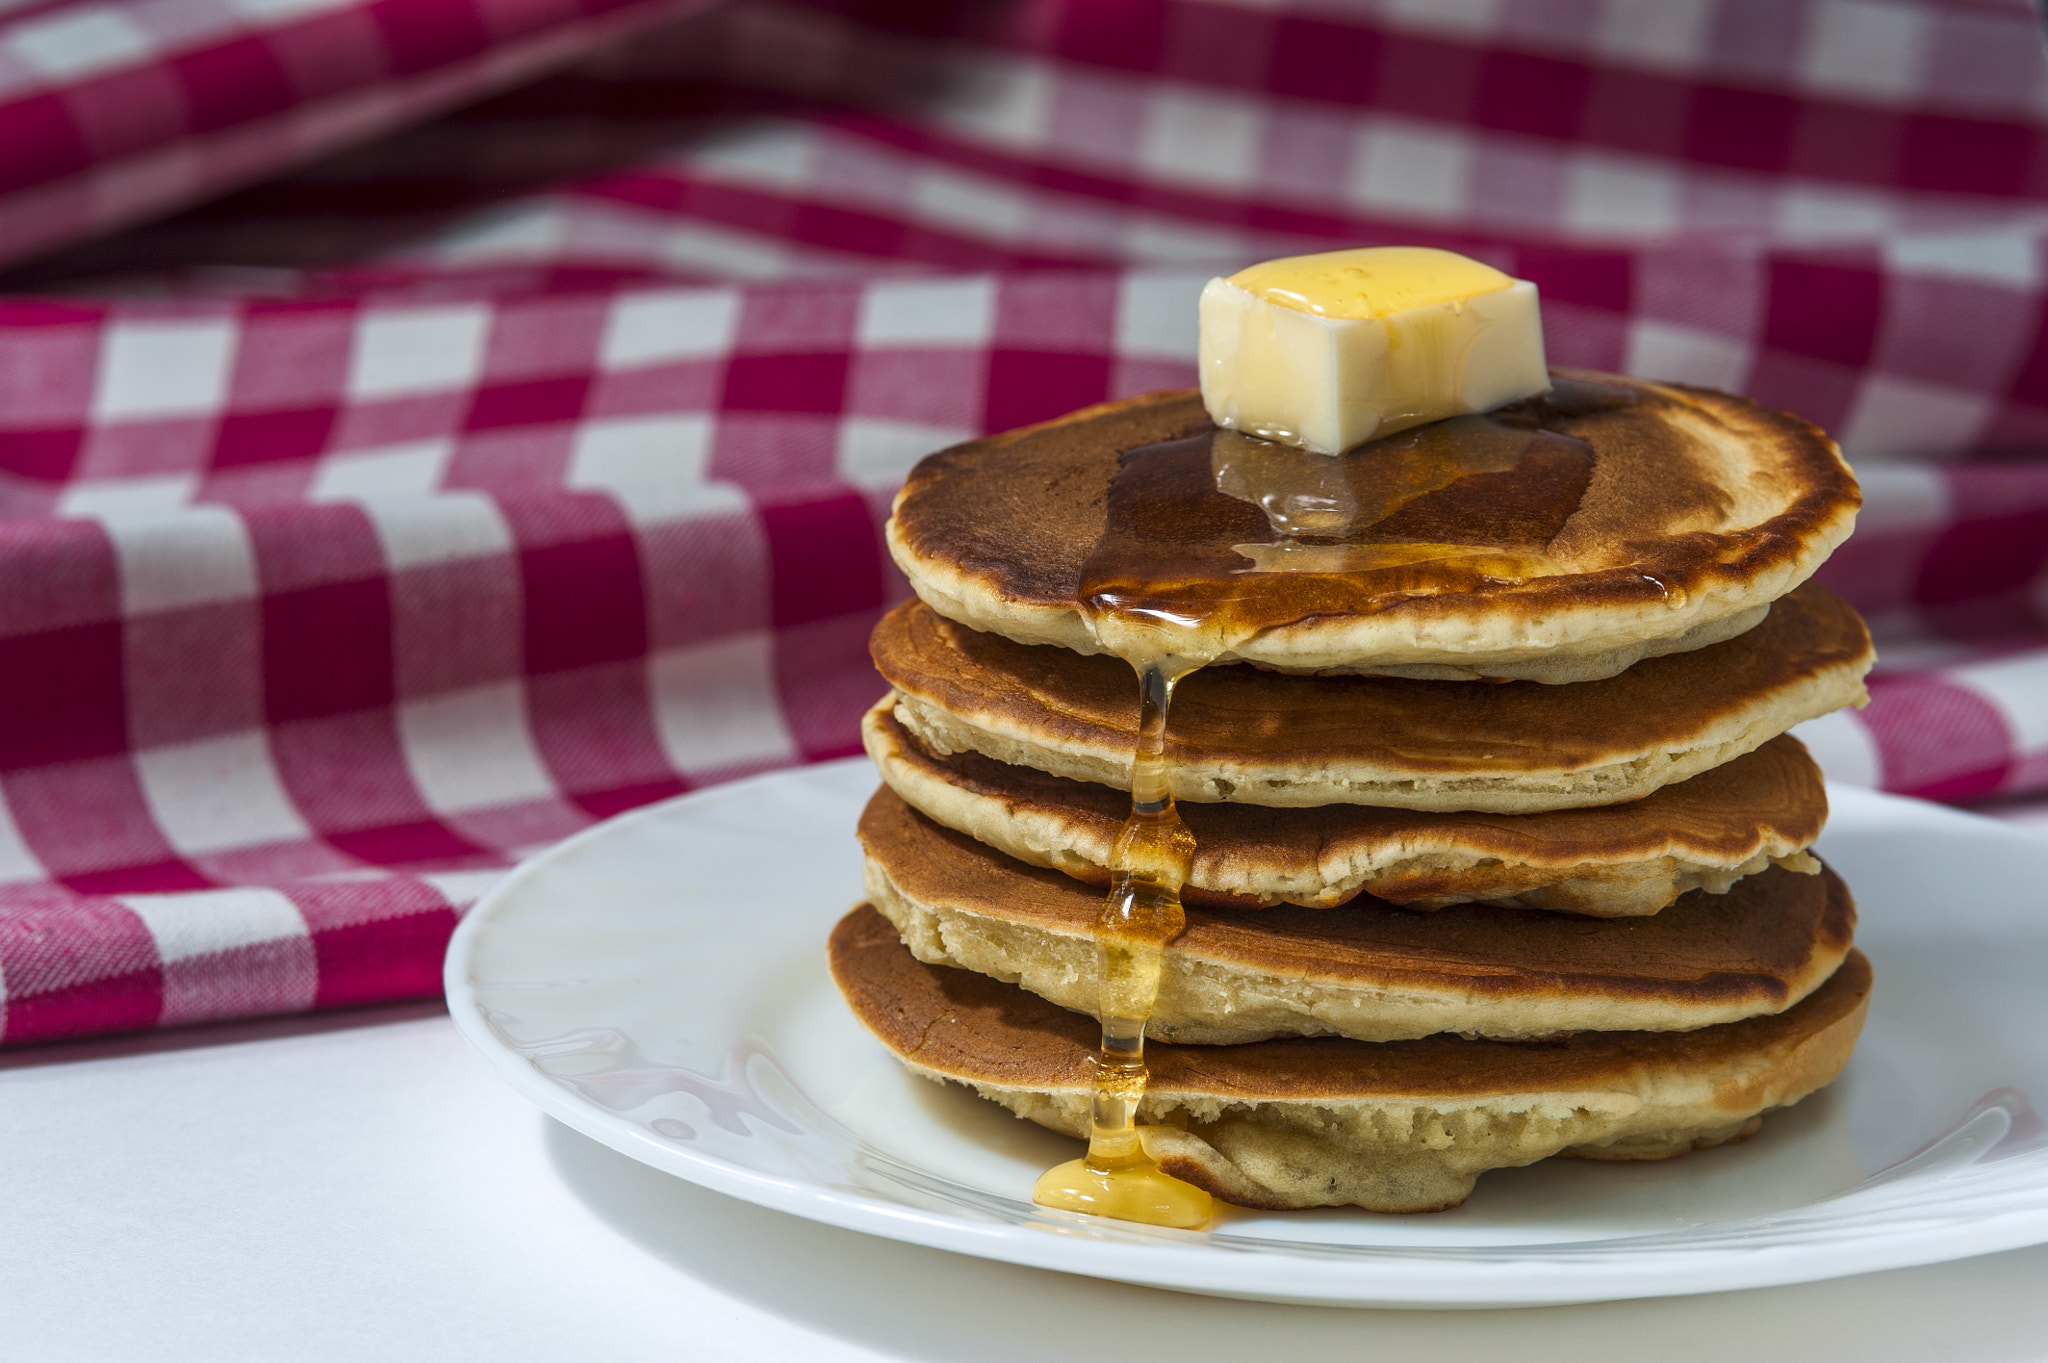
point(1403, 1126)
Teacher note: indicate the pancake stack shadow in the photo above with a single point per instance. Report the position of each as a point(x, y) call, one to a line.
point(1497, 907)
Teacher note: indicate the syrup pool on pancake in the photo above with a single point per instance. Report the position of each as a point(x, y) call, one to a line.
point(1224, 534)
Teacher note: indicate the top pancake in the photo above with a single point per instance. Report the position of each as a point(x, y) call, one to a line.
point(1616, 520)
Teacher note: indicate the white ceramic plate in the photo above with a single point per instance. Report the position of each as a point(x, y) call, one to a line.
point(659, 983)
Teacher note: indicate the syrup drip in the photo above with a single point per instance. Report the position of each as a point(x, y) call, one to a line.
point(1224, 536)
point(1149, 864)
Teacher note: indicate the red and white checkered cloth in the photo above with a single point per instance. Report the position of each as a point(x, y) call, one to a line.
point(372, 526)
point(115, 110)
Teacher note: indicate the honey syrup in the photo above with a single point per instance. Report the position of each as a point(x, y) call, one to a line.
point(1148, 866)
point(1224, 536)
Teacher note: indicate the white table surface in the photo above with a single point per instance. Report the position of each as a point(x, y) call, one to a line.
point(360, 1186)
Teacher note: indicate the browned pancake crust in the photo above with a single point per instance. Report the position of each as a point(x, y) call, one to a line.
point(1762, 945)
point(982, 1031)
point(1773, 797)
point(1237, 714)
point(1004, 525)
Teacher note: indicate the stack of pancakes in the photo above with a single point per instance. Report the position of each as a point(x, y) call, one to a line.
point(1511, 868)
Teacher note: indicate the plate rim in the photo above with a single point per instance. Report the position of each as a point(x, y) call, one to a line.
point(1399, 1276)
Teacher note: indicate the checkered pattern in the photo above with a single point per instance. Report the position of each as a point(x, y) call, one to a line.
point(1951, 568)
point(373, 526)
point(115, 110)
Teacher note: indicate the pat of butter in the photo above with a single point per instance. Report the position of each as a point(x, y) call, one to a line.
point(1328, 350)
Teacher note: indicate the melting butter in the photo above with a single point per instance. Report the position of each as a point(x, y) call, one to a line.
point(1375, 281)
point(1327, 351)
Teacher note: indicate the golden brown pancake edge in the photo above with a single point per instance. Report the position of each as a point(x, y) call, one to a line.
point(993, 533)
point(1400, 1126)
point(1371, 972)
point(1261, 737)
point(1623, 860)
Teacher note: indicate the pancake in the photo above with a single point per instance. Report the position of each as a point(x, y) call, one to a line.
point(1616, 861)
point(1612, 521)
point(1372, 973)
point(1268, 738)
point(1404, 1126)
